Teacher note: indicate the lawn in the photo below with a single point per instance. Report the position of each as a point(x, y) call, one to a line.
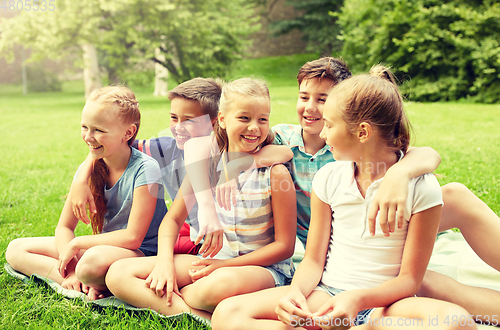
point(43, 148)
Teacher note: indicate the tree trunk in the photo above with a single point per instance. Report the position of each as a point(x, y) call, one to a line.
point(91, 77)
point(161, 75)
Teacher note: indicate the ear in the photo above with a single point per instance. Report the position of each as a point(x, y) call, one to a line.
point(364, 132)
point(130, 132)
point(212, 121)
point(222, 120)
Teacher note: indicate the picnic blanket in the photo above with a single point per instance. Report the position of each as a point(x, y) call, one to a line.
point(107, 302)
point(451, 256)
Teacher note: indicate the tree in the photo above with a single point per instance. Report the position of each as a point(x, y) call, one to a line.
point(196, 37)
point(319, 28)
point(69, 26)
point(449, 49)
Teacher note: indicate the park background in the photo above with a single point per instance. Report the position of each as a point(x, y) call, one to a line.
point(446, 55)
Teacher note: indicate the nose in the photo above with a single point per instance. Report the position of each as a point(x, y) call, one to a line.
point(322, 134)
point(253, 127)
point(180, 127)
point(310, 105)
point(88, 136)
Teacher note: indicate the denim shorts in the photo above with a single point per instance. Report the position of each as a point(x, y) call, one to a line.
point(362, 316)
point(279, 278)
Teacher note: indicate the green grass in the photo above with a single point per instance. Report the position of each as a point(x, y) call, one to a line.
point(42, 149)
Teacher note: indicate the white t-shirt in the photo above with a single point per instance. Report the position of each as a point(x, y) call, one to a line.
point(356, 259)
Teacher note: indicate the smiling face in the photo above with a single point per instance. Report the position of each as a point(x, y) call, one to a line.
point(187, 121)
point(312, 97)
point(103, 131)
point(336, 132)
point(246, 123)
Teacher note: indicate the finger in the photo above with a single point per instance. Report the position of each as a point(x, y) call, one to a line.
point(382, 219)
point(218, 196)
point(85, 288)
point(400, 215)
point(206, 245)
point(227, 199)
point(372, 216)
point(92, 206)
point(160, 288)
point(324, 309)
point(169, 293)
point(84, 218)
point(234, 192)
point(391, 217)
point(220, 244)
point(198, 239)
point(148, 280)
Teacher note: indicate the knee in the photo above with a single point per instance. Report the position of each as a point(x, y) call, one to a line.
point(226, 315)
point(14, 252)
point(452, 192)
point(216, 287)
point(454, 317)
point(115, 274)
point(92, 265)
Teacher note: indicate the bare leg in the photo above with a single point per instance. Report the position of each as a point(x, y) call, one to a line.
point(126, 280)
point(94, 263)
point(483, 304)
point(250, 311)
point(479, 225)
point(34, 255)
point(420, 313)
point(209, 291)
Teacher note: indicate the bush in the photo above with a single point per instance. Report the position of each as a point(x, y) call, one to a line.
point(449, 49)
point(42, 80)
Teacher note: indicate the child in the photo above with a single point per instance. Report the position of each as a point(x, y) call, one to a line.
point(310, 153)
point(125, 187)
point(194, 108)
point(367, 129)
point(259, 231)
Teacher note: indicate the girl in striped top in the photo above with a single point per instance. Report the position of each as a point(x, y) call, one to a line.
point(259, 231)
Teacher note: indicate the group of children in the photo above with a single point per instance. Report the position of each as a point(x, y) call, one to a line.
point(223, 250)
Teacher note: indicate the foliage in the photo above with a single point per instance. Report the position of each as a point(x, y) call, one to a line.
point(319, 28)
point(449, 49)
point(198, 37)
point(42, 80)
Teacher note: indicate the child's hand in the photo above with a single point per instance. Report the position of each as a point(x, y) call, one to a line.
point(80, 197)
point(71, 282)
point(65, 257)
point(211, 229)
point(212, 264)
point(390, 203)
point(339, 312)
point(226, 193)
point(293, 306)
point(162, 281)
point(94, 294)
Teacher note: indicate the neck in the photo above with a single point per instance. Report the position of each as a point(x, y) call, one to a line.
point(312, 143)
point(117, 163)
point(373, 165)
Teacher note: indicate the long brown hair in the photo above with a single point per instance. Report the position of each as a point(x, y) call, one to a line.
point(244, 87)
point(122, 99)
point(375, 98)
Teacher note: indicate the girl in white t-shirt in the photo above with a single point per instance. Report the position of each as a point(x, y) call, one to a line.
point(351, 276)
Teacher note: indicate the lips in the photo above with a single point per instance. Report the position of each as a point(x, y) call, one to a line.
point(250, 138)
point(311, 120)
point(182, 138)
point(92, 147)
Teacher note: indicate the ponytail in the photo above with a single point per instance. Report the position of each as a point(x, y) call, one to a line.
point(97, 183)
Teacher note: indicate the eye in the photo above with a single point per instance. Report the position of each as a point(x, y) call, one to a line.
point(243, 117)
point(173, 117)
point(190, 120)
point(303, 98)
point(84, 127)
point(263, 119)
point(322, 100)
point(100, 131)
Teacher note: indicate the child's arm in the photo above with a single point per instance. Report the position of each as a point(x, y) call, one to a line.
point(390, 200)
point(310, 269)
point(81, 194)
point(284, 216)
point(268, 156)
point(422, 233)
point(162, 279)
point(141, 214)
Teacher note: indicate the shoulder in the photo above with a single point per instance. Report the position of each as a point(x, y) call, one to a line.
point(284, 132)
point(329, 177)
point(279, 171)
point(140, 159)
point(426, 192)
point(333, 169)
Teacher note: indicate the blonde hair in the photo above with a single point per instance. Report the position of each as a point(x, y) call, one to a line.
point(122, 99)
point(375, 98)
point(244, 87)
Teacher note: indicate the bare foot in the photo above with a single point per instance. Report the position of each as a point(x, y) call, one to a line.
point(94, 294)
